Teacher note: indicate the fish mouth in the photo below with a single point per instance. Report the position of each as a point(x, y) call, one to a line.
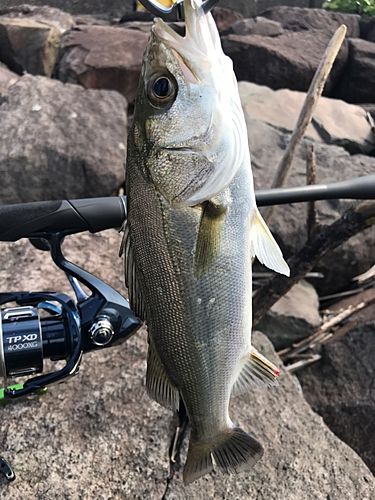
point(199, 45)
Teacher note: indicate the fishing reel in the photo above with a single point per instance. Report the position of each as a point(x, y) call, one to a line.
point(176, 12)
point(55, 326)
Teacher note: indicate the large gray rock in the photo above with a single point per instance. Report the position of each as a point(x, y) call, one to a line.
point(224, 18)
point(302, 19)
point(103, 57)
point(334, 121)
point(267, 146)
point(358, 82)
point(30, 37)
point(7, 78)
point(255, 26)
point(60, 141)
point(286, 61)
point(367, 27)
point(90, 20)
point(294, 317)
point(28, 45)
point(251, 9)
point(53, 17)
point(99, 437)
point(340, 386)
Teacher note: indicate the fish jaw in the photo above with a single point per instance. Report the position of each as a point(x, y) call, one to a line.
point(207, 104)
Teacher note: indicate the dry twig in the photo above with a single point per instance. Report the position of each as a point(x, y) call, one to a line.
point(326, 238)
point(323, 334)
point(312, 215)
point(304, 119)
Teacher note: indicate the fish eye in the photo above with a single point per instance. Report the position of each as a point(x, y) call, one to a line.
point(161, 90)
point(162, 87)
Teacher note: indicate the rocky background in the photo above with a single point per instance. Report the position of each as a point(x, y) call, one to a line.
point(67, 85)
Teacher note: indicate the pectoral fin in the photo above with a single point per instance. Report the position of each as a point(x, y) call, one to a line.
point(159, 386)
point(264, 246)
point(257, 371)
point(209, 236)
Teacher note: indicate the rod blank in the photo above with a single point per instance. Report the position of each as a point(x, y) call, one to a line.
point(361, 188)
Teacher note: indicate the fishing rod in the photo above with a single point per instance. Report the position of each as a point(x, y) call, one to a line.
point(31, 220)
point(55, 326)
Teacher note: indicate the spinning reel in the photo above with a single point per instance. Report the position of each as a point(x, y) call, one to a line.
point(54, 325)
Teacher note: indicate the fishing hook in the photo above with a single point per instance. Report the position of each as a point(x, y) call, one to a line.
point(176, 12)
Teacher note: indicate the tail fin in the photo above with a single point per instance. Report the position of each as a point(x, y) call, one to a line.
point(234, 451)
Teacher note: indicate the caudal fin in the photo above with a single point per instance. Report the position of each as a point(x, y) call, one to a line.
point(233, 452)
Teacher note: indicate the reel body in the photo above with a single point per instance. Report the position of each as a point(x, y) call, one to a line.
point(54, 326)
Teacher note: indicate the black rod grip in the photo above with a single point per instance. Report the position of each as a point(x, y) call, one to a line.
point(101, 213)
point(22, 220)
point(91, 214)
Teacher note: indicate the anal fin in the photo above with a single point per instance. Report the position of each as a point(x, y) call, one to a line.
point(257, 371)
point(159, 386)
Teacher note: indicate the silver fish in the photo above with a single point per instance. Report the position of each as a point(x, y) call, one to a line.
point(192, 230)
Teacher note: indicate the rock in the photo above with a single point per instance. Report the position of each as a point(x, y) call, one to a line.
point(294, 317)
point(55, 18)
point(251, 9)
point(103, 420)
point(103, 57)
point(142, 16)
point(340, 386)
point(60, 141)
point(367, 28)
point(334, 121)
point(138, 25)
point(225, 18)
point(267, 146)
point(91, 20)
point(255, 26)
point(358, 82)
point(28, 45)
point(297, 19)
point(286, 61)
point(114, 8)
point(7, 78)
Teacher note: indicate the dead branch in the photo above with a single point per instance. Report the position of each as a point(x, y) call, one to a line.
point(302, 363)
point(323, 334)
point(312, 215)
point(304, 119)
point(326, 238)
point(367, 276)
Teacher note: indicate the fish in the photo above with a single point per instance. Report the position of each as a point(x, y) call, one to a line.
point(191, 233)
